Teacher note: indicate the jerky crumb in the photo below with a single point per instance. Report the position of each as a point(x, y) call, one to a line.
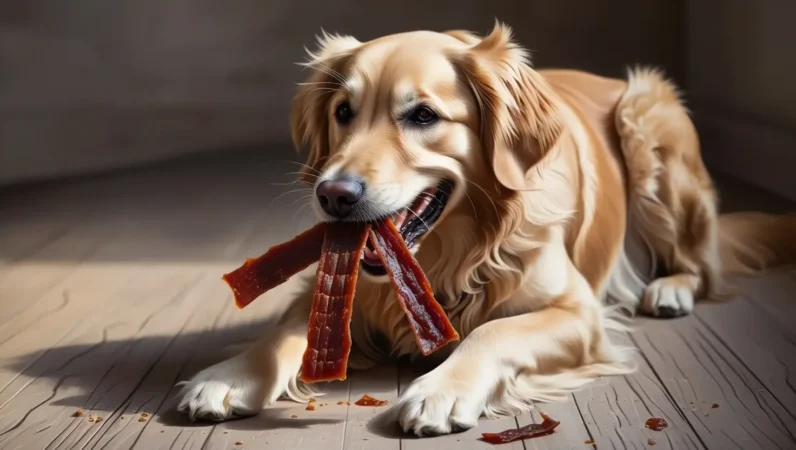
point(341, 403)
point(656, 424)
point(294, 416)
point(145, 415)
point(651, 441)
point(79, 412)
point(142, 419)
point(589, 442)
point(367, 400)
point(310, 407)
point(239, 443)
point(313, 400)
point(91, 419)
point(98, 419)
point(715, 405)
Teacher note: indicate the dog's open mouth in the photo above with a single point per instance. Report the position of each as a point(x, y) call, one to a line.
point(413, 222)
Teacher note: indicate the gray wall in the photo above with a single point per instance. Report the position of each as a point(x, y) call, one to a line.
point(87, 85)
point(741, 77)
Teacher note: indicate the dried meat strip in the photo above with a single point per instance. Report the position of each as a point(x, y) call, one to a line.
point(428, 320)
point(277, 265)
point(329, 334)
point(533, 430)
point(339, 246)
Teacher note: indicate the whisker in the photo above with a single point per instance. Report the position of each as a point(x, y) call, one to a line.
point(292, 191)
point(303, 174)
point(313, 83)
point(418, 218)
point(300, 209)
point(306, 198)
point(339, 76)
point(286, 183)
point(305, 166)
point(497, 214)
point(321, 67)
point(475, 211)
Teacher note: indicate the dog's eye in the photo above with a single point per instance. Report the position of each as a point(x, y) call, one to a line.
point(423, 115)
point(343, 113)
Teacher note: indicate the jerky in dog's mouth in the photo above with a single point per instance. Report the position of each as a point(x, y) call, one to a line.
point(413, 223)
point(337, 247)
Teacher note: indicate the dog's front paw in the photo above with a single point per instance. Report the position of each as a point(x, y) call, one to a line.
point(227, 390)
point(436, 404)
point(668, 297)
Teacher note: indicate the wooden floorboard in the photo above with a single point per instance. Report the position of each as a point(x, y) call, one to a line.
point(110, 295)
point(616, 410)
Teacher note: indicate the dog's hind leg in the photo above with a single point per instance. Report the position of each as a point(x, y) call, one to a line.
point(673, 201)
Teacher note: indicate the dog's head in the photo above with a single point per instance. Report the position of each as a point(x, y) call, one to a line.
point(439, 131)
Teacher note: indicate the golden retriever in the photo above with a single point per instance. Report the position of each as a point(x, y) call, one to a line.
point(539, 203)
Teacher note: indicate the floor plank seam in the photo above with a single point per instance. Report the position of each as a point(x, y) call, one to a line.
point(588, 430)
point(669, 395)
point(754, 374)
point(756, 304)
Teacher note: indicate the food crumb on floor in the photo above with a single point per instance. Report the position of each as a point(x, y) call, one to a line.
point(79, 412)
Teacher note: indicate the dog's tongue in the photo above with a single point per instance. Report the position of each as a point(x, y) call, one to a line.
point(371, 257)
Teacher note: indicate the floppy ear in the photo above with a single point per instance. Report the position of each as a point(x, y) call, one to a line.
point(309, 117)
point(519, 117)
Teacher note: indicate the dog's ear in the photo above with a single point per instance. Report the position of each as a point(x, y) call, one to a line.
point(519, 117)
point(309, 117)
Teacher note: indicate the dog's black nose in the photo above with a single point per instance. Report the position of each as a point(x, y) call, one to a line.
point(338, 197)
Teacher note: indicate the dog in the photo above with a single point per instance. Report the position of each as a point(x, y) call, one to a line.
point(548, 202)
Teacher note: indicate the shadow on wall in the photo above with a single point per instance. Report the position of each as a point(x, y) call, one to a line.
point(99, 85)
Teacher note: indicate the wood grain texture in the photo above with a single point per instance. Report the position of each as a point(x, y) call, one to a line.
point(615, 410)
point(110, 293)
point(720, 397)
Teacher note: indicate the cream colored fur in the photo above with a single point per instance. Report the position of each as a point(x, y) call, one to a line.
point(572, 192)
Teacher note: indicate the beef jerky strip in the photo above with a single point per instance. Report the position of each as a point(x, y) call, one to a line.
point(429, 322)
point(528, 431)
point(280, 262)
point(329, 333)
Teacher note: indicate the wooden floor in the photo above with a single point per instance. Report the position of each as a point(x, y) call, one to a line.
point(110, 293)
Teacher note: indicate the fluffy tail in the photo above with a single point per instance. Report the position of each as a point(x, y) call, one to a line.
point(750, 242)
